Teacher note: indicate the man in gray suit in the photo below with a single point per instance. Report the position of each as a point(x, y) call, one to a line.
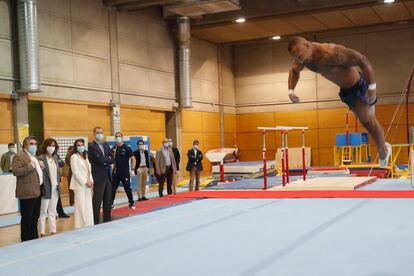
point(165, 166)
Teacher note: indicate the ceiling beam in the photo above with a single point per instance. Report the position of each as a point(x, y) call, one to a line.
point(119, 2)
point(139, 5)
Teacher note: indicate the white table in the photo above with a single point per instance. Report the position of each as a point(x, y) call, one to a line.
point(8, 200)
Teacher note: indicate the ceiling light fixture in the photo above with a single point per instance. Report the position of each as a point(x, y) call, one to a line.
point(276, 37)
point(389, 1)
point(240, 20)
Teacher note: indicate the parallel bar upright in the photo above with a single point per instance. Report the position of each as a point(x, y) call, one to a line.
point(264, 161)
point(303, 155)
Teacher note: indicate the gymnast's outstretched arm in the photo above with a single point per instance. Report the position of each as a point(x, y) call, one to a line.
point(294, 74)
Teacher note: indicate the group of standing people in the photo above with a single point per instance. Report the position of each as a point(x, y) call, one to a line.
point(93, 177)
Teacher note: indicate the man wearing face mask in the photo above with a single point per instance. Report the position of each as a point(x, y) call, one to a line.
point(7, 158)
point(101, 160)
point(177, 163)
point(165, 166)
point(29, 176)
point(194, 166)
point(122, 172)
point(141, 169)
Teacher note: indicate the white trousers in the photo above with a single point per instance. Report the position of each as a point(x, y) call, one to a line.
point(83, 208)
point(48, 209)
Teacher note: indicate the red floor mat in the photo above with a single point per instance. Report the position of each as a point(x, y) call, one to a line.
point(298, 194)
point(149, 205)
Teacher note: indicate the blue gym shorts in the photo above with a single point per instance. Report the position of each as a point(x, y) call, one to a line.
point(358, 91)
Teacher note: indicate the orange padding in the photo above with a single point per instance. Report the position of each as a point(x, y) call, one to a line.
point(298, 194)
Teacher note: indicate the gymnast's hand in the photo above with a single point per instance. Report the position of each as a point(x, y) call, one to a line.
point(293, 97)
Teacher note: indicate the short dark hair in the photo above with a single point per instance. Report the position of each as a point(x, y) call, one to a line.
point(196, 141)
point(10, 145)
point(28, 138)
point(119, 133)
point(293, 42)
point(47, 143)
point(140, 141)
point(97, 127)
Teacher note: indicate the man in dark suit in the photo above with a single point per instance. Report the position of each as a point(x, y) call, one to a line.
point(99, 154)
point(194, 166)
point(177, 162)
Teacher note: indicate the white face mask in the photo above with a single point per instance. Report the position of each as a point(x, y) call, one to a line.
point(118, 139)
point(50, 150)
point(170, 144)
point(196, 147)
point(141, 147)
point(11, 150)
point(165, 145)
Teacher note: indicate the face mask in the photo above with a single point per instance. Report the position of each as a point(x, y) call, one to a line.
point(11, 150)
point(141, 147)
point(165, 145)
point(81, 149)
point(196, 147)
point(118, 139)
point(99, 137)
point(170, 144)
point(50, 150)
point(32, 149)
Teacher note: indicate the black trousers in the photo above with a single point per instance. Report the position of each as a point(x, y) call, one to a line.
point(161, 179)
point(102, 192)
point(30, 212)
point(126, 182)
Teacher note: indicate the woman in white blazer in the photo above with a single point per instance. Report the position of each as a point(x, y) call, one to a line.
point(81, 183)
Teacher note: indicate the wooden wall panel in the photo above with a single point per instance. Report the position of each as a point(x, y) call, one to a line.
point(308, 118)
point(211, 122)
point(6, 119)
point(250, 122)
point(138, 120)
point(191, 121)
point(64, 119)
point(334, 117)
point(99, 116)
point(229, 123)
point(230, 140)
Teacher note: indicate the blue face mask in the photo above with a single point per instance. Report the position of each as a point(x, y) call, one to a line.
point(81, 149)
point(32, 149)
point(166, 145)
point(99, 137)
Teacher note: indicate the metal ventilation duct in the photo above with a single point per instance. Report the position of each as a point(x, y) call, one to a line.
point(28, 46)
point(184, 74)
